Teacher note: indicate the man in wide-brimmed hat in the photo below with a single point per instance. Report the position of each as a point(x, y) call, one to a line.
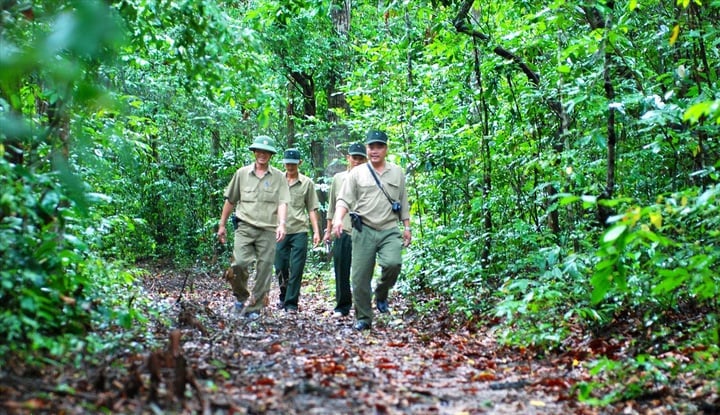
point(260, 196)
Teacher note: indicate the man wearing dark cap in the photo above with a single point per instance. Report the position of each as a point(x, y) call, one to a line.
point(377, 195)
point(342, 250)
point(291, 252)
point(260, 196)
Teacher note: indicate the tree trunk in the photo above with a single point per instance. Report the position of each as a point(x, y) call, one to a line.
point(462, 26)
point(597, 21)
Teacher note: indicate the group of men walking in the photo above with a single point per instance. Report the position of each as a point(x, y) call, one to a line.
point(271, 213)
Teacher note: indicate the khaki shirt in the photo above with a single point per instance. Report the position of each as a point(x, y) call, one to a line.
point(303, 200)
point(361, 191)
point(335, 187)
point(256, 200)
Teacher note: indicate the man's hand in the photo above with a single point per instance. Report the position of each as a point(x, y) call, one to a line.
point(222, 233)
point(407, 238)
point(280, 232)
point(337, 228)
point(327, 235)
point(316, 239)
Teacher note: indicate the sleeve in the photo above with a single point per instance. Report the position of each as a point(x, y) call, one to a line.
point(404, 203)
point(311, 199)
point(346, 197)
point(232, 191)
point(284, 194)
point(333, 197)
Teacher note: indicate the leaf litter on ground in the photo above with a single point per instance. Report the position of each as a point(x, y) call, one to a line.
point(305, 362)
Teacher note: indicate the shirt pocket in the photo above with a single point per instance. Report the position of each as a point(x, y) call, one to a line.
point(249, 195)
point(367, 188)
point(393, 189)
point(268, 194)
point(297, 198)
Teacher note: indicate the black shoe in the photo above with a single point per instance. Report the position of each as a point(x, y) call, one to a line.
point(341, 313)
point(362, 325)
point(382, 306)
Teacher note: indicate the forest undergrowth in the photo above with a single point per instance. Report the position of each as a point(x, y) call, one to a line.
point(213, 361)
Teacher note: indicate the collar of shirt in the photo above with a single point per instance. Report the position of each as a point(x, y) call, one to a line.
point(252, 171)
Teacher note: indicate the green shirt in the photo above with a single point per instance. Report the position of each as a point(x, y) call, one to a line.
point(361, 191)
point(335, 187)
point(256, 200)
point(303, 200)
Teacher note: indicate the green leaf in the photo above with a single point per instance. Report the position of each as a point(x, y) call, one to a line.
point(601, 282)
point(710, 109)
point(567, 199)
point(672, 279)
point(614, 233)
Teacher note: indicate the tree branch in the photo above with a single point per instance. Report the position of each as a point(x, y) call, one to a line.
point(462, 27)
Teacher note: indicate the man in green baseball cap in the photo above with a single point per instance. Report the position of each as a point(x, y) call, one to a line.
point(377, 196)
point(259, 195)
point(291, 252)
point(342, 248)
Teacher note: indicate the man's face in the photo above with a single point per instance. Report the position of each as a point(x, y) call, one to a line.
point(355, 160)
point(262, 157)
point(376, 152)
point(291, 168)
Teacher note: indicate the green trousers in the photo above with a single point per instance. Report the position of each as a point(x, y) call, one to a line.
point(367, 246)
point(290, 257)
point(253, 246)
point(342, 257)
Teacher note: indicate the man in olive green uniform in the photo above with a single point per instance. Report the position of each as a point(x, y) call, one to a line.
point(377, 193)
point(342, 249)
point(260, 195)
point(291, 252)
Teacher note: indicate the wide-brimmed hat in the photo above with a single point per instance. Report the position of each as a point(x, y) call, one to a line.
point(376, 136)
point(291, 156)
point(264, 143)
point(356, 149)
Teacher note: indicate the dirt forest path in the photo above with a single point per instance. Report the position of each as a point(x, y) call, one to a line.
point(311, 362)
point(210, 361)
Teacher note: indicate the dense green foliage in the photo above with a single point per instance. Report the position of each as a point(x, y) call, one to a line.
point(563, 158)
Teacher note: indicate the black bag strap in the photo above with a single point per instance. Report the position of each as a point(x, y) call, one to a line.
point(377, 181)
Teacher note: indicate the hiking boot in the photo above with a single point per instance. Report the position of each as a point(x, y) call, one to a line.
point(362, 325)
point(251, 316)
point(382, 306)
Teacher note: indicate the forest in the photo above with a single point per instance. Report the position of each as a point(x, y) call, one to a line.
point(563, 166)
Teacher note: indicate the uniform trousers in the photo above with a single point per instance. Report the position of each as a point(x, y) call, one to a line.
point(253, 246)
point(290, 258)
point(369, 246)
point(342, 258)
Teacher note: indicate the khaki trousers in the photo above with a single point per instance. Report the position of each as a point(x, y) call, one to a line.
point(253, 246)
point(367, 246)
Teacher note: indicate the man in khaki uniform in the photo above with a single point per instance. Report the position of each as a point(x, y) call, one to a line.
point(291, 252)
point(376, 191)
point(260, 195)
point(342, 249)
